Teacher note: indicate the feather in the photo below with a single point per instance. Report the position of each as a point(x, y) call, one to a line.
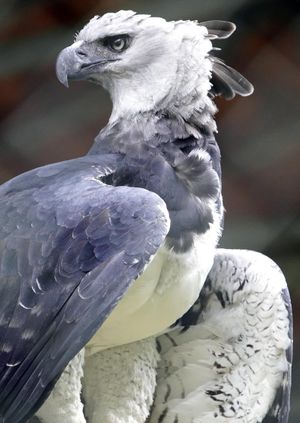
point(230, 356)
point(218, 29)
point(228, 82)
point(91, 241)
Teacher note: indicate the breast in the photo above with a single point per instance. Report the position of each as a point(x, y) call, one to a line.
point(169, 286)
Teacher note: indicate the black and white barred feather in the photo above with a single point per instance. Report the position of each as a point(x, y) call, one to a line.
point(229, 356)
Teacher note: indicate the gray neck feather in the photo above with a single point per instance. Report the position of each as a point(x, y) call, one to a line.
point(153, 129)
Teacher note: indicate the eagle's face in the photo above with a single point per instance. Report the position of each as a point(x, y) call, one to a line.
point(117, 45)
point(142, 61)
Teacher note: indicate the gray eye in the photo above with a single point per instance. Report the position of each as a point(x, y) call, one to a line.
point(117, 43)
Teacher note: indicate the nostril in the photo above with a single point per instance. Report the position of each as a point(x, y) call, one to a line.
point(81, 53)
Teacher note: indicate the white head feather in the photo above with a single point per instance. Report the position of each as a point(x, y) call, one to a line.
point(166, 66)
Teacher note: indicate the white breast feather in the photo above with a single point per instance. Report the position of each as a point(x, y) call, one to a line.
point(164, 292)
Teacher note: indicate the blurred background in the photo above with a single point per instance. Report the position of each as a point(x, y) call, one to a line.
point(42, 122)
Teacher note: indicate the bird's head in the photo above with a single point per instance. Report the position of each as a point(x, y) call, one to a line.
point(149, 64)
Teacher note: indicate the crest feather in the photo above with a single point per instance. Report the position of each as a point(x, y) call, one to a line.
point(218, 29)
point(228, 82)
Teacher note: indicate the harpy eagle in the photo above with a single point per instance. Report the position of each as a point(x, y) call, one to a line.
point(116, 252)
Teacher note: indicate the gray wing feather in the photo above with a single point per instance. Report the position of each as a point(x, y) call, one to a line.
point(69, 248)
point(229, 357)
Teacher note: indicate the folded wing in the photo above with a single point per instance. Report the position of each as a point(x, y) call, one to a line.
point(70, 246)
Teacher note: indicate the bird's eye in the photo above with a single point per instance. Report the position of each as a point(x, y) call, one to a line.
point(117, 43)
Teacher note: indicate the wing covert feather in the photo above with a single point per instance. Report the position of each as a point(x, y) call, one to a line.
point(70, 246)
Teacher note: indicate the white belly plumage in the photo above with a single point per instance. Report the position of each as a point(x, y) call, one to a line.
point(168, 287)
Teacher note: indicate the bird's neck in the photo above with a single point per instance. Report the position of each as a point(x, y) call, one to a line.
point(180, 88)
point(194, 106)
point(152, 129)
point(177, 160)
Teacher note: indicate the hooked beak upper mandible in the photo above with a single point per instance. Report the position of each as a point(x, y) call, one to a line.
point(68, 64)
point(78, 61)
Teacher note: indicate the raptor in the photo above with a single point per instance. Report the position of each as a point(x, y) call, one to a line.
point(113, 255)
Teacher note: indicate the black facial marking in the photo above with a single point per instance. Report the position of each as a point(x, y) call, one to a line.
point(116, 43)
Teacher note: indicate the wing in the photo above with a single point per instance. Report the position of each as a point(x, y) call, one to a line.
point(229, 358)
point(70, 246)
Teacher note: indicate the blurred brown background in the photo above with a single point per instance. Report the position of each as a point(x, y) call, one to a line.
point(41, 122)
